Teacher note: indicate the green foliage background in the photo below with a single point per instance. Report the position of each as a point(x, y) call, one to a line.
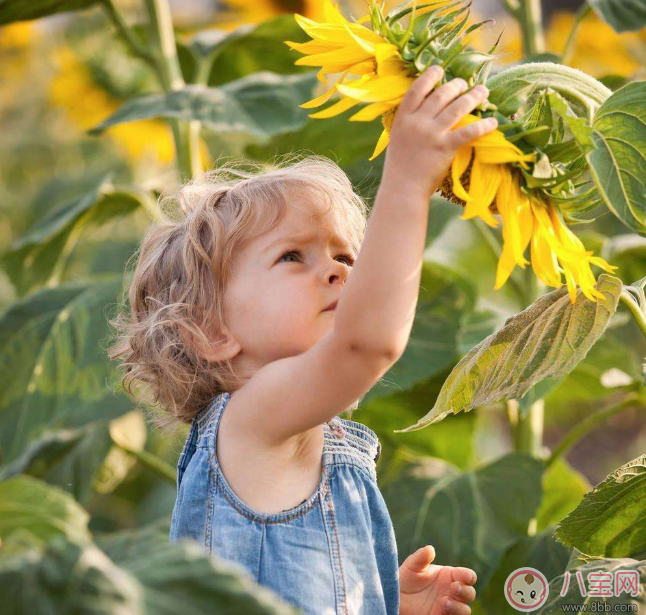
point(84, 475)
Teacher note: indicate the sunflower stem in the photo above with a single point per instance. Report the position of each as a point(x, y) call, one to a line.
point(589, 424)
point(529, 16)
point(527, 427)
point(568, 49)
point(635, 310)
point(185, 133)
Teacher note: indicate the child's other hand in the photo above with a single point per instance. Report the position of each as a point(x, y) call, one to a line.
point(434, 590)
point(422, 142)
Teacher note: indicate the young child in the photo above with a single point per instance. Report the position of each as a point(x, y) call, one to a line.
point(262, 315)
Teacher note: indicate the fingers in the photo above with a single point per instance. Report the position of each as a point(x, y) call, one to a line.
point(455, 608)
point(445, 94)
point(461, 136)
point(462, 593)
point(421, 88)
point(459, 107)
point(419, 561)
point(464, 575)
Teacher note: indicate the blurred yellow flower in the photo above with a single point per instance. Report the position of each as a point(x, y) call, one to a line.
point(598, 49)
point(87, 104)
point(16, 35)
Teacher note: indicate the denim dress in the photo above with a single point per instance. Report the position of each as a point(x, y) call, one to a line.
point(332, 554)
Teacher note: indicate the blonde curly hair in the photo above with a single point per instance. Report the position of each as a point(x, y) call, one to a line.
point(183, 267)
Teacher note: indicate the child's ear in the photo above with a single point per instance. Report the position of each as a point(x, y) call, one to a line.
point(219, 345)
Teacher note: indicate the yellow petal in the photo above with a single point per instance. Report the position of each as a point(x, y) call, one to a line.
point(312, 47)
point(458, 167)
point(389, 62)
point(370, 112)
point(382, 143)
point(379, 89)
point(506, 264)
point(485, 179)
point(331, 13)
point(337, 108)
point(320, 100)
point(331, 60)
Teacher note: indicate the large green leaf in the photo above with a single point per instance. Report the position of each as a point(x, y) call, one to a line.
point(54, 371)
point(31, 259)
point(137, 573)
point(618, 164)
point(547, 339)
point(573, 599)
point(444, 300)
point(563, 490)
point(540, 551)
point(470, 518)
point(262, 104)
point(622, 15)
point(32, 512)
point(20, 10)
point(609, 522)
point(250, 48)
point(67, 458)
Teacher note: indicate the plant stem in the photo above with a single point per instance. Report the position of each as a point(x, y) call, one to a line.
point(589, 424)
point(128, 35)
point(152, 462)
point(161, 28)
point(568, 49)
point(512, 7)
point(635, 310)
point(527, 428)
point(529, 15)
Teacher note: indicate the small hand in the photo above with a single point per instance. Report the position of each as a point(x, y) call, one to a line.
point(422, 139)
point(434, 590)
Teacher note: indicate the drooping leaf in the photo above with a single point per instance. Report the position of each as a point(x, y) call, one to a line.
point(54, 371)
point(30, 260)
point(470, 518)
point(540, 551)
point(622, 15)
point(262, 104)
point(32, 512)
point(609, 522)
point(131, 572)
point(19, 10)
point(547, 339)
point(573, 597)
point(67, 458)
point(618, 164)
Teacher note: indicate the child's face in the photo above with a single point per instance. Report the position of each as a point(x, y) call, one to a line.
point(283, 281)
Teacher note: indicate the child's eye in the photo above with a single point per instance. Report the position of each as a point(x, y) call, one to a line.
point(349, 259)
point(297, 252)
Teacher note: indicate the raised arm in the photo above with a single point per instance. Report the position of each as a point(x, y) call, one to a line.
point(376, 309)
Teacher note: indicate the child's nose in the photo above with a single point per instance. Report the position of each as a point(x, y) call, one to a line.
point(337, 272)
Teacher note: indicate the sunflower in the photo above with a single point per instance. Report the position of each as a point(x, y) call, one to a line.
point(486, 176)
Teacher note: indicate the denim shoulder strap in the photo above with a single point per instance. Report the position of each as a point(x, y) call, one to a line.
point(187, 451)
